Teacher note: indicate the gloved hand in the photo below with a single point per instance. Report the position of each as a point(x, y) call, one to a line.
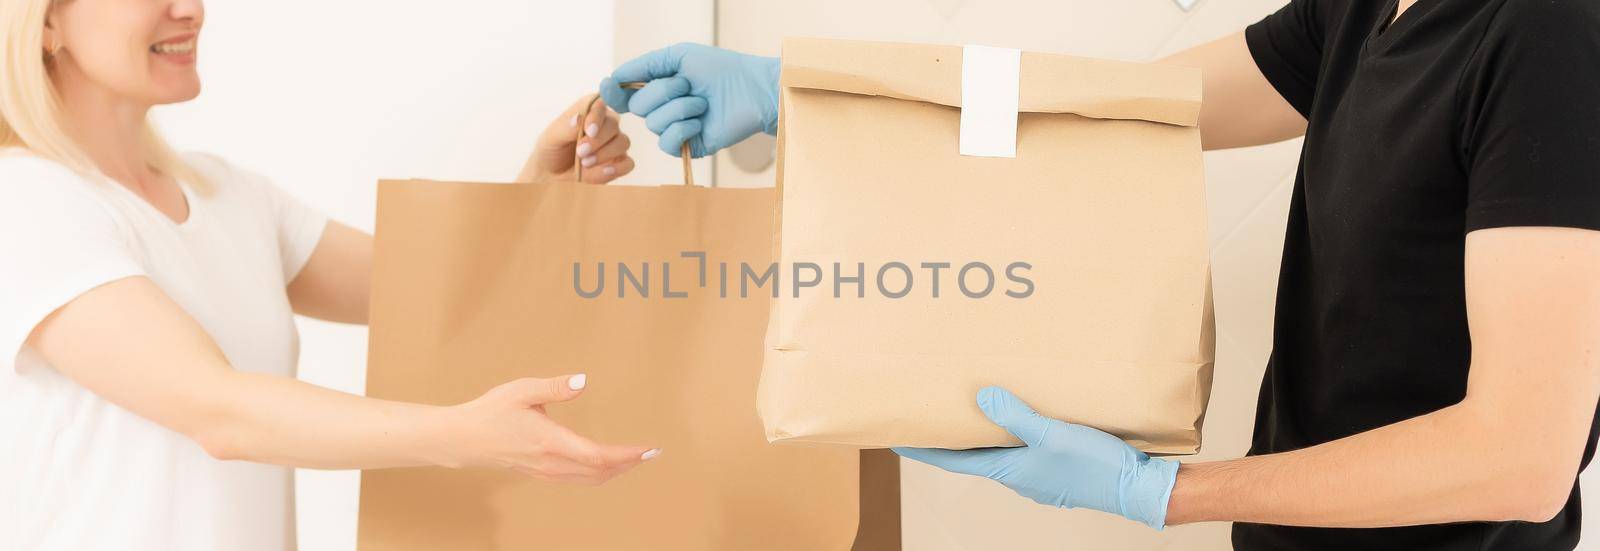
point(1063, 465)
point(710, 96)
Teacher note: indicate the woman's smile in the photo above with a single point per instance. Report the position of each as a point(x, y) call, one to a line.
point(179, 49)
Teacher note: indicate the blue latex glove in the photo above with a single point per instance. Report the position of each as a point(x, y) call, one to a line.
point(1063, 465)
point(712, 97)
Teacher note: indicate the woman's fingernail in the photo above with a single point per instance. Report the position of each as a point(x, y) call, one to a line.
point(593, 130)
point(646, 456)
point(576, 382)
point(573, 122)
point(610, 170)
point(583, 149)
point(589, 161)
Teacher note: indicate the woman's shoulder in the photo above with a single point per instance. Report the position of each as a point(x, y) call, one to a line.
point(26, 178)
point(36, 192)
point(19, 166)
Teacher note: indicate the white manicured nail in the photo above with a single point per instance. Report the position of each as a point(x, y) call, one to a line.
point(576, 382)
point(589, 161)
point(583, 149)
point(646, 456)
point(594, 130)
point(610, 170)
point(573, 122)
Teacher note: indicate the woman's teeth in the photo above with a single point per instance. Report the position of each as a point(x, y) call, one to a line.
point(177, 48)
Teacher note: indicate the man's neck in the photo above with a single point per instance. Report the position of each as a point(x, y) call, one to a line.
point(1404, 5)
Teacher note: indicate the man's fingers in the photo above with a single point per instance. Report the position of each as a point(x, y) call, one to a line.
point(614, 95)
point(1011, 413)
point(676, 133)
point(950, 460)
point(979, 462)
point(656, 94)
point(660, 63)
point(681, 108)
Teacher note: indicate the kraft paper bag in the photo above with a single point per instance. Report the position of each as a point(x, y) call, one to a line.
point(1092, 237)
point(475, 286)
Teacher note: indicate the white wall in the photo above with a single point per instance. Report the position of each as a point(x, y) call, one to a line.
point(328, 97)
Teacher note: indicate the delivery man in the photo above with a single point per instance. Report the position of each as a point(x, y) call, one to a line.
point(1434, 376)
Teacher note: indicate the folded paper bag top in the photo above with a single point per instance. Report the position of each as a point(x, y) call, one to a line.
point(1076, 274)
point(1051, 83)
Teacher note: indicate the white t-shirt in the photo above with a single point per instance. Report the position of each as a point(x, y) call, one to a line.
point(77, 472)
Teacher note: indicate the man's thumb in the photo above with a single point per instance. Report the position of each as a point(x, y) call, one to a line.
point(1011, 413)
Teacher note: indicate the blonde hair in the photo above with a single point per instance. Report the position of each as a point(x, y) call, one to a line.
point(30, 109)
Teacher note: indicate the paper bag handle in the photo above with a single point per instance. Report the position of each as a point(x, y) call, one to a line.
point(688, 170)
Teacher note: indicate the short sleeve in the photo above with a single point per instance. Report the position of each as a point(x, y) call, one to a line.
point(298, 227)
point(1287, 47)
point(1531, 127)
point(58, 240)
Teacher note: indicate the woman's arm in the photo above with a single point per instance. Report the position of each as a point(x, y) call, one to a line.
point(129, 343)
point(336, 282)
point(1240, 107)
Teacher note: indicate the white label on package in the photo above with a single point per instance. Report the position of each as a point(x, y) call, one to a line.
point(990, 78)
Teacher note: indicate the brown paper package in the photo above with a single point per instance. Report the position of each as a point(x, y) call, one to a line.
point(1104, 201)
point(474, 287)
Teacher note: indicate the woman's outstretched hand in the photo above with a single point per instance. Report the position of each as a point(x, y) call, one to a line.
point(602, 150)
point(507, 428)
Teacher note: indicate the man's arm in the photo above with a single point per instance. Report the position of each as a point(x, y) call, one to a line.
point(716, 98)
point(1239, 108)
point(1508, 451)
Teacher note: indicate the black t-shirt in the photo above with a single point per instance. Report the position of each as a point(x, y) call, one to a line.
point(1462, 115)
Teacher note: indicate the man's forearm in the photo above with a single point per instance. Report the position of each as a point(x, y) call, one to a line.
point(1455, 464)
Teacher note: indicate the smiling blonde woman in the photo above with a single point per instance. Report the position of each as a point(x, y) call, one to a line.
point(147, 338)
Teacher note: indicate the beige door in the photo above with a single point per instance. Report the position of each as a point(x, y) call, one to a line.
point(1248, 195)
